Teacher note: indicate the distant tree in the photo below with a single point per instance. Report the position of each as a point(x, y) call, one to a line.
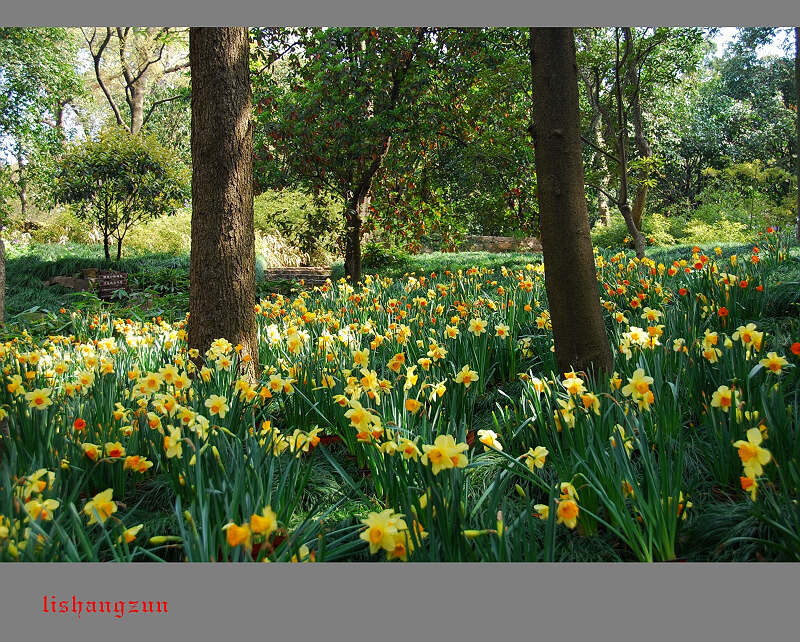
point(330, 121)
point(118, 181)
point(37, 80)
point(222, 271)
point(758, 82)
point(579, 331)
point(620, 68)
point(461, 165)
point(130, 65)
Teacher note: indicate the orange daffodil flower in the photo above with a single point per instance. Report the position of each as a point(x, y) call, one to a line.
point(466, 376)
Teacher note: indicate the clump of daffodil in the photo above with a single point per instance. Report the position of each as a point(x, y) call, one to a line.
point(388, 531)
point(535, 457)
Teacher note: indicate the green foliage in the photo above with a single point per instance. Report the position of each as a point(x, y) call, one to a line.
point(62, 226)
point(709, 225)
point(171, 234)
point(377, 255)
point(117, 181)
point(312, 225)
point(753, 193)
point(469, 167)
point(37, 78)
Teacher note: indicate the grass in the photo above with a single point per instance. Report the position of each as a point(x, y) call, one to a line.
point(161, 278)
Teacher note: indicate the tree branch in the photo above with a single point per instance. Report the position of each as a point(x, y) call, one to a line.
point(611, 197)
point(602, 151)
point(96, 57)
point(161, 102)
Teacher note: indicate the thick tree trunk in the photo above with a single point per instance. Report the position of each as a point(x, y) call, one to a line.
point(107, 246)
point(579, 332)
point(119, 249)
point(222, 268)
point(797, 119)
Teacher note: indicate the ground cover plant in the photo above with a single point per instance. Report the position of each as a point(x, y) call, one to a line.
point(419, 417)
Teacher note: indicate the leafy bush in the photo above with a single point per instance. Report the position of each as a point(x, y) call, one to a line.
point(168, 234)
point(376, 255)
point(658, 230)
point(62, 227)
point(735, 217)
point(708, 224)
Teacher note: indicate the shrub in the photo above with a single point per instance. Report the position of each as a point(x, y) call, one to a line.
point(376, 255)
point(657, 229)
point(167, 234)
point(62, 227)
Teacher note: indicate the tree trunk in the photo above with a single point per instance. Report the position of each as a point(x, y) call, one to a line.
point(136, 104)
point(23, 198)
point(119, 249)
point(603, 211)
point(357, 208)
point(107, 246)
point(639, 139)
point(2, 281)
point(570, 276)
point(22, 185)
point(639, 201)
point(622, 133)
point(222, 267)
point(797, 119)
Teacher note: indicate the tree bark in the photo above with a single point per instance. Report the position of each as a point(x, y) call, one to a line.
point(22, 184)
point(579, 332)
point(222, 266)
point(603, 211)
point(639, 201)
point(2, 281)
point(136, 104)
point(357, 208)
